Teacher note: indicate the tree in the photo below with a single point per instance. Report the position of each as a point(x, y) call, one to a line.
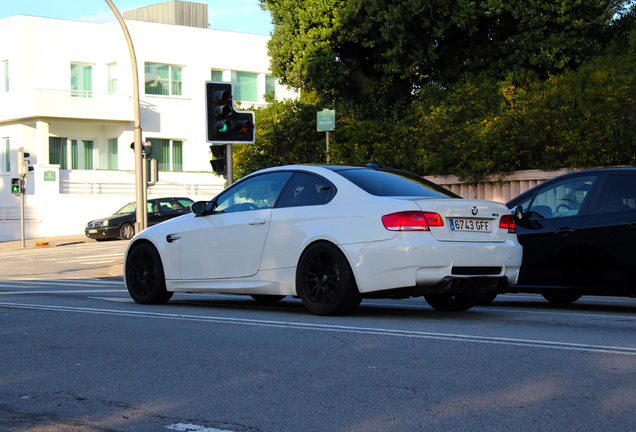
point(380, 52)
point(285, 134)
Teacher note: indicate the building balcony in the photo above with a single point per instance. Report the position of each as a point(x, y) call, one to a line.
point(65, 104)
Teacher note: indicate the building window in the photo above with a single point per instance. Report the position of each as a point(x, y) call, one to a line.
point(163, 79)
point(216, 75)
point(57, 152)
point(82, 154)
point(81, 80)
point(270, 85)
point(168, 153)
point(4, 75)
point(245, 86)
point(5, 155)
point(113, 159)
point(112, 78)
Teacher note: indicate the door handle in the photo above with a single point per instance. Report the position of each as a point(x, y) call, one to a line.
point(633, 224)
point(258, 222)
point(564, 231)
point(172, 237)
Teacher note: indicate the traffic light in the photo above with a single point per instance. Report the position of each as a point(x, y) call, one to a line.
point(24, 165)
point(16, 186)
point(224, 123)
point(219, 159)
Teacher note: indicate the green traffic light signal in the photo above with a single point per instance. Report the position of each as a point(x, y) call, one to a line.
point(16, 186)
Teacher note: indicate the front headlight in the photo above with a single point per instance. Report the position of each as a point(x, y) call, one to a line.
point(105, 223)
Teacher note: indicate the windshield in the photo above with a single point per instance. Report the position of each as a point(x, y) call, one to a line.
point(128, 208)
point(394, 183)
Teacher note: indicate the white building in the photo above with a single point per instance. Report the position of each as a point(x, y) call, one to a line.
point(66, 98)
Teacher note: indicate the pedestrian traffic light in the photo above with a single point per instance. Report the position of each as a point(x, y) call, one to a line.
point(224, 123)
point(16, 186)
point(219, 159)
point(24, 165)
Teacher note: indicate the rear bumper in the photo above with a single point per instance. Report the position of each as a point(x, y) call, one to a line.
point(418, 262)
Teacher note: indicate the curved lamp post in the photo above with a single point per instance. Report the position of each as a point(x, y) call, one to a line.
point(141, 213)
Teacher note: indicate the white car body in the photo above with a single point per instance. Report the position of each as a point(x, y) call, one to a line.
point(257, 251)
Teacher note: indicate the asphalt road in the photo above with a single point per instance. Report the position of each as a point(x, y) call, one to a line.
point(78, 355)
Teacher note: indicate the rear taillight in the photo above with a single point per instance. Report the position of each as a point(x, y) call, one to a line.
point(508, 223)
point(412, 221)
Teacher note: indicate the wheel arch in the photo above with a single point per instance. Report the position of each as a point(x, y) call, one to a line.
point(332, 242)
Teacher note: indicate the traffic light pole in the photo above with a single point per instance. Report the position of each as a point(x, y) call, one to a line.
point(22, 214)
point(230, 171)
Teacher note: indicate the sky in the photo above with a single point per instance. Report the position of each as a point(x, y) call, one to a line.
point(244, 16)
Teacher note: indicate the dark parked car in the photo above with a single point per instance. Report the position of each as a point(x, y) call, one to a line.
point(121, 224)
point(578, 233)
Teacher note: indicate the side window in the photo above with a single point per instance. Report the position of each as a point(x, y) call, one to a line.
point(254, 193)
point(561, 199)
point(152, 206)
point(306, 190)
point(619, 194)
point(165, 205)
point(184, 202)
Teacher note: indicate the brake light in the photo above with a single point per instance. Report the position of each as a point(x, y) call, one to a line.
point(507, 222)
point(412, 221)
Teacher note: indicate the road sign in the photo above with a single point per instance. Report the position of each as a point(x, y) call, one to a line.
point(326, 120)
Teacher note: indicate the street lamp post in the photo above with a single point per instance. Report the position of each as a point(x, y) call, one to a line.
point(141, 213)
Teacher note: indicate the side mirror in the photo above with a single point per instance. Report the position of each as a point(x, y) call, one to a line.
point(199, 208)
point(517, 213)
point(203, 208)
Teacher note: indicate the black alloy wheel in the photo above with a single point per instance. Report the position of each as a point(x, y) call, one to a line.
point(145, 279)
point(325, 282)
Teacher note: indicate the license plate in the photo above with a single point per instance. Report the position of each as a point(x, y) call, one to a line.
point(92, 231)
point(471, 225)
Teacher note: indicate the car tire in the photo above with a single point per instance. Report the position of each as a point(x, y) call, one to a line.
point(127, 231)
point(267, 298)
point(451, 302)
point(325, 281)
point(144, 275)
point(561, 298)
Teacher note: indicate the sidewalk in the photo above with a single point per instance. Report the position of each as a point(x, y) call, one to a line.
point(45, 242)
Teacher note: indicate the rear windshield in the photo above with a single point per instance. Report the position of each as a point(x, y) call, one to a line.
point(394, 183)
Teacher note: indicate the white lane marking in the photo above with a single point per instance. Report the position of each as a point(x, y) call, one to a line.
point(114, 299)
point(58, 282)
point(565, 346)
point(193, 428)
point(64, 292)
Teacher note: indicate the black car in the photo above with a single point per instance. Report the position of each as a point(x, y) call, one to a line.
point(121, 224)
point(578, 233)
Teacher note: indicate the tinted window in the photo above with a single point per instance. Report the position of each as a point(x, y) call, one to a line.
point(564, 198)
point(252, 193)
point(619, 194)
point(185, 202)
point(395, 183)
point(166, 205)
point(305, 190)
